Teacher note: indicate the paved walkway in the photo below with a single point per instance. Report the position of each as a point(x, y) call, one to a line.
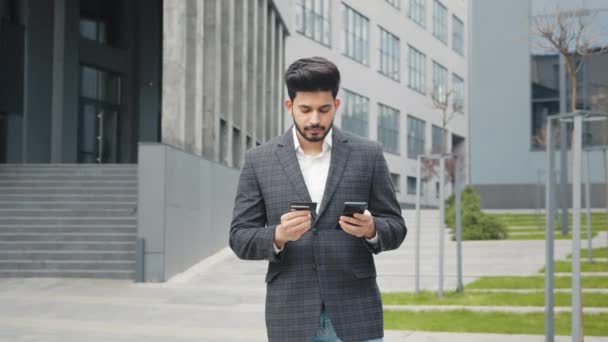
point(222, 298)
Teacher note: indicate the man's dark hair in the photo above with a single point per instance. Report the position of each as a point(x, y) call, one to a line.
point(312, 74)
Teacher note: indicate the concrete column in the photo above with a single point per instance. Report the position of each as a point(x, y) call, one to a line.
point(252, 69)
point(227, 78)
point(199, 76)
point(242, 62)
point(57, 109)
point(211, 75)
point(272, 62)
point(263, 72)
point(174, 68)
point(280, 67)
point(190, 75)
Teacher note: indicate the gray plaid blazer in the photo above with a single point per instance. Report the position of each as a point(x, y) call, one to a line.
point(326, 265)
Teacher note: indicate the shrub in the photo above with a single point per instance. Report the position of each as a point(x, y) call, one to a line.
point(475, 224)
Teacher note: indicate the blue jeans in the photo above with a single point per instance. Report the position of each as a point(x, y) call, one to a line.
point(326, 332)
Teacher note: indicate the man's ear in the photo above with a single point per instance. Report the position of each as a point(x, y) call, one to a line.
point(337, 103)
point(288, 104)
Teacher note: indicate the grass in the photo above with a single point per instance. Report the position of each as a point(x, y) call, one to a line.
point(597, 253)
point(535, 282)
point(533, 219)
point(541, 236)
point(566, 266)
point(490, 299)
point(490, 322)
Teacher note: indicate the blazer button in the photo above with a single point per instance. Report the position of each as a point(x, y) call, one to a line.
point(315, 231)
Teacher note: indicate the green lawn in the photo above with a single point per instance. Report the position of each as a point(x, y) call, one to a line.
point(566, 266)
point(490, 322)
point(541, 236)
point(490, 299)
point(535, 282)
point(597, 253)
point(533, 219)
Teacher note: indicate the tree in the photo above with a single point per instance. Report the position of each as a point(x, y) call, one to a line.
point(568, 33)
point(446, 102)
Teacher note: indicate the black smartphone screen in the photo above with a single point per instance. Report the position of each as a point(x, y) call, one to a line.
point(350, 208)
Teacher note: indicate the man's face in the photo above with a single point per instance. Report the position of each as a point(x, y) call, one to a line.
point(313, 113)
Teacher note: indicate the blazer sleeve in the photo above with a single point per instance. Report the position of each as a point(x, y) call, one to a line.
point(250, 237)
point(384, 207)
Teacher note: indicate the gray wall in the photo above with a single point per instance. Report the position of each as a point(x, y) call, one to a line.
point(222, 64)
point(184, 210)
point(503, 166)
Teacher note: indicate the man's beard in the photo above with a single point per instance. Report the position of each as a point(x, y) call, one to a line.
point(312, 139)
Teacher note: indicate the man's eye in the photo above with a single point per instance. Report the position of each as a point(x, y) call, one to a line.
point(305, 110)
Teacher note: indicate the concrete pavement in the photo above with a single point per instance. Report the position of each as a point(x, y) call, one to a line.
point(222, 298)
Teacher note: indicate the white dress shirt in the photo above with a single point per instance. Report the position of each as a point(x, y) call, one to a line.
point(314, 170)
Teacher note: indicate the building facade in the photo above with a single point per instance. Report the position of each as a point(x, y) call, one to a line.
point(515, 86)
point(395, 57)
point(123, 125)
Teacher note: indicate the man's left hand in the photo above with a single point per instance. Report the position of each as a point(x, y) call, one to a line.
point(360, 225)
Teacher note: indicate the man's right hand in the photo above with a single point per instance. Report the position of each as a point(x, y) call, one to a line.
point(293, 225)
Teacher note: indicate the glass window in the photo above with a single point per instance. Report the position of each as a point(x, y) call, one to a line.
point(411, 185)
point(388, 128)
point(356, 35)
point(440, 81)
point(396, 179)
point(458, 93)
point(457, 35)
point(415, 137)
point(389, 54)
point(437, 139)
point(440, 21)
point(417, 11)
point(355, 113)
point(416, 70)
point(395, 3)
point(313, 19)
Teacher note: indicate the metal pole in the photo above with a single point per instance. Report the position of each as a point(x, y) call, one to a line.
point(549, 300)
point(605, 154)
point(418, 181)
point(459, 286)
point(563, 188)
point(588, 206)
point(441, 222)
point(576, 229)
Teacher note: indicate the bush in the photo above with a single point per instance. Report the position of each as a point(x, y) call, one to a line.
point(475, 224)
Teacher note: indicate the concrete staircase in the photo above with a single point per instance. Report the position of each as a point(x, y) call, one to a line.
point(68, 220)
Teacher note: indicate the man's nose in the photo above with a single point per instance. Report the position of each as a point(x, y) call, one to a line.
point(314, 119)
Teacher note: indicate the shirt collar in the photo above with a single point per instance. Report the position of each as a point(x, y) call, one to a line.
point(327, 142)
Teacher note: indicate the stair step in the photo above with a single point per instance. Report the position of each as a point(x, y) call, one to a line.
point(60, 237)
point(67, 213)
point(104, 190)
point(53, 198)
point(68, 220)
point(69, 255)
point(67, 205)
point(45, 184)
point(67, 246)
point(96, 274)
point(58, 177)
point(113, 265)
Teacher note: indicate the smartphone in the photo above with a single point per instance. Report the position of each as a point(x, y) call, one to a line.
point(296, 205)
point(350, 208)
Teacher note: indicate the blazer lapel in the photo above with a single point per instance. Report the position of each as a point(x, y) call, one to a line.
point(287, 156)
point(339, 156)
